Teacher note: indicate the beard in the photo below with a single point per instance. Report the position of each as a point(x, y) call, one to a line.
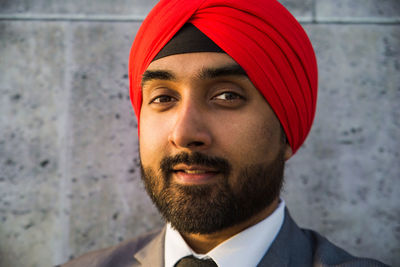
point(208, 208)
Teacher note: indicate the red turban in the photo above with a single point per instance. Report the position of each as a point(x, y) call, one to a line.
point(260, 35)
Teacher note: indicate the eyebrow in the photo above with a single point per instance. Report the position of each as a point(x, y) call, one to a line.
point(150, 75)
point(229, 70)
point(204, 74)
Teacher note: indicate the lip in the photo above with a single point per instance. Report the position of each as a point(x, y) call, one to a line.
point(194, 174)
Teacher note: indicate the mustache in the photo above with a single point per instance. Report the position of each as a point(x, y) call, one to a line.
point(196, 158)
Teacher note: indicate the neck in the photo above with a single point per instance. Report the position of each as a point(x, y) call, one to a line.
point(203, 243)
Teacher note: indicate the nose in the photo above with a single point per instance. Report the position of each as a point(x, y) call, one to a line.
point(190, 129)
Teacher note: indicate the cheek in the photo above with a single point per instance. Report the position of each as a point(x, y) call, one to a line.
point(250, 141)
point(152, 141)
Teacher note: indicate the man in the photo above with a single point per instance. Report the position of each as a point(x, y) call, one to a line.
point(225, 93)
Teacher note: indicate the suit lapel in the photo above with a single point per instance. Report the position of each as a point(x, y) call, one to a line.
point(291, 247)
point(153, 253)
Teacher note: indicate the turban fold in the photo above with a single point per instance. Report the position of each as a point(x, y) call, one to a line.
point(260, 35)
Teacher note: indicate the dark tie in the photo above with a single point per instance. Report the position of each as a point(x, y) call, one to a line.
point(191, 261)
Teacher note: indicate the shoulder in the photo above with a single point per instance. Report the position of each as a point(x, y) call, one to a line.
point(325, 253)
point(119, 255)
point(295, 246)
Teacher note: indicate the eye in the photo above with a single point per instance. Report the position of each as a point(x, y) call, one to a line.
point(228, 96)
point(162, 99)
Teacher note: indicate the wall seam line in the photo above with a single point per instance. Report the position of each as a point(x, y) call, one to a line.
point(314, 19)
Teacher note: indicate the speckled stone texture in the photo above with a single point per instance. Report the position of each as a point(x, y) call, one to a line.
point(358, 8)
point(87, 7)
point(69, 175)
point(31, 111)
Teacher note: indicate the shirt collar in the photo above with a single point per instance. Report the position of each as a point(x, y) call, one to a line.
point(243, 249)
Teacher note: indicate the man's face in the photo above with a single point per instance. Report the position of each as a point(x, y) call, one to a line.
point(211, 148)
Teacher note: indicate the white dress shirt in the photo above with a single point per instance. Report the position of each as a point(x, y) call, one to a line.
point(243, 249)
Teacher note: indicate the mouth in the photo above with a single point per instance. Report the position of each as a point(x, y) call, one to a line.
point(193, 171)
point(185, 174)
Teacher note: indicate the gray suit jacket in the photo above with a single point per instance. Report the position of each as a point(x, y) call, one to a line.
point(292, 247)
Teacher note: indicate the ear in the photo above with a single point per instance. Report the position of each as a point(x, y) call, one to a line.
point(288, 152)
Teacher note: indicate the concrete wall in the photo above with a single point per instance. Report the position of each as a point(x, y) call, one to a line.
point(69, 179)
